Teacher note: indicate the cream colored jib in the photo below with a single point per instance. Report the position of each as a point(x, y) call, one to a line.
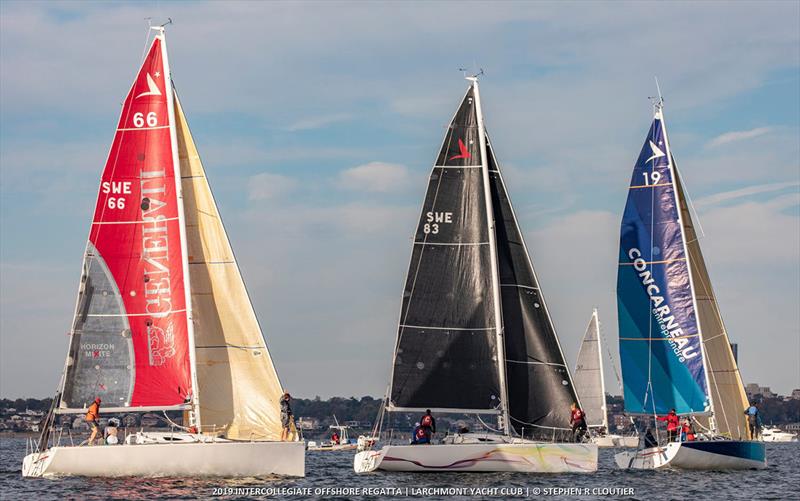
point(238, 386)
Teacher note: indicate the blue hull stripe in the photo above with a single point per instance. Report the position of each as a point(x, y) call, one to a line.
point(754, 451)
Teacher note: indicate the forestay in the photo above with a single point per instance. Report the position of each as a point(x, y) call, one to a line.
point(659, 338)
point(129, 341)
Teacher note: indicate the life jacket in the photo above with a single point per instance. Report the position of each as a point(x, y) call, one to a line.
point(673, 421)
point(420, 433)
point(94, 412)
point(427, 421)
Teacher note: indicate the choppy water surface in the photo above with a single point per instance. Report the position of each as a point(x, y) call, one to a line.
point(334, 470)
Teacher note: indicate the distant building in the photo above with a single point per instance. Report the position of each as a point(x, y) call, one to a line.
point(796, 394)
point(792, 427)
point(766, 392)
point(752, 389)
point(307, 423)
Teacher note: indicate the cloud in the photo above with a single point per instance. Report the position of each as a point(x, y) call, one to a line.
point(739, 135)
point(727, 196)
point(318, 122)
point(378, 177)
point(267, 186)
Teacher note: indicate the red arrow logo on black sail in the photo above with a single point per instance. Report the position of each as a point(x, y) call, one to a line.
point(464, 152)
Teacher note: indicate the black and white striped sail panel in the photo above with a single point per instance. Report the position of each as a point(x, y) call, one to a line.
point(540, 389)
point(446, 351)
point(100, 359)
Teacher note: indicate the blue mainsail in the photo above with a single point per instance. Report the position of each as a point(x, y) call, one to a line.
point(659, 339)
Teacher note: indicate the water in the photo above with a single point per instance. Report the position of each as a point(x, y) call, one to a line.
point(335, 469)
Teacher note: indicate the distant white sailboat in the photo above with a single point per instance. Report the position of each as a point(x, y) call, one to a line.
point(474, 335)
point(674, 347)
point(591, 388)
point(163, 320)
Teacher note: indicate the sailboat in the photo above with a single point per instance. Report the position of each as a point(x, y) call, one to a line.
point(591, 387)
point(163, 321)
point(474, 335)
point(673, 344)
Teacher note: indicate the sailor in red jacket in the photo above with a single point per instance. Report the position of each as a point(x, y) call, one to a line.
point(673, 424)
point(577, 419)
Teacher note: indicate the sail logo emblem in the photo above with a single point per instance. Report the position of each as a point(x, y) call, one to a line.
point(160, 344)
point(152, 87)
point(97, 350)
point(464, 152)
point(657, 153)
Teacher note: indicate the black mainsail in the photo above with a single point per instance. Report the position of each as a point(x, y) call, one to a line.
point(446, 352)
point(472, 299)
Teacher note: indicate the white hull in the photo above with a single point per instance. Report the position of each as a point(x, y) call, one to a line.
point(676, 455)
point(615, 441)
point(195, 459)
point(776, 435)
point(518, 457)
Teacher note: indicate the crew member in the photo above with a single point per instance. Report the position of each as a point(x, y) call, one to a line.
point(335, 438)
point(428, 423)
point(687, 432)
point(673, 424)
point(111, 432)
point(753, 421)
point(286, 416)
point(420, 436)
point(93, 418)
point(577, 420)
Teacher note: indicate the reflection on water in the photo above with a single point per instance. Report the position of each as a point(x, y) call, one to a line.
point(335, 469)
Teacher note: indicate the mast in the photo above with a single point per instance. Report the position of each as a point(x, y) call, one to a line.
point(194, 415)
point(498, 312)
point(660, 115)
point(603, 406)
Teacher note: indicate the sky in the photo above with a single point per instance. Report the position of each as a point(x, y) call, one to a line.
point(318, 123)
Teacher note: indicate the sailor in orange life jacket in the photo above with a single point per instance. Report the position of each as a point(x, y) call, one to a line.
point(578, 421)
point(92, 418)
point(673, 423)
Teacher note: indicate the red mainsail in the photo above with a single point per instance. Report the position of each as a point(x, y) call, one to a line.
point(136, 232)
